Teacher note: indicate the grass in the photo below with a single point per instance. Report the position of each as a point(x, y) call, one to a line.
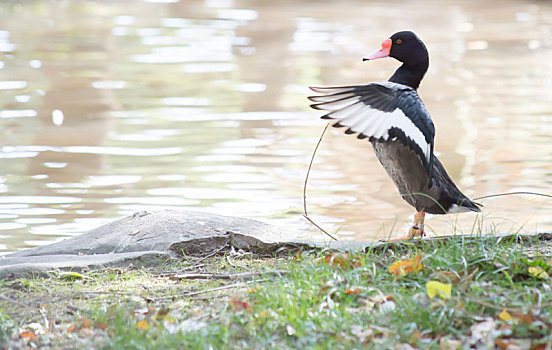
point(500, 297)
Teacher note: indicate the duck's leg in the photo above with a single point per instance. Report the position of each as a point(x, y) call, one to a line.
point(418, 227)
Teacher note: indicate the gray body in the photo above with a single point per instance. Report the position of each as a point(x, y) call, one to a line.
point(411, 179)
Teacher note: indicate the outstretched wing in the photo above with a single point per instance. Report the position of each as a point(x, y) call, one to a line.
point(382, 112)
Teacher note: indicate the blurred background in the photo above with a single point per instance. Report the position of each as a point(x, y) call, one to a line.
point(112, 107)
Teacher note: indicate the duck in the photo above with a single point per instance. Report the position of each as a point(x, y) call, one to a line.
point(392, 117)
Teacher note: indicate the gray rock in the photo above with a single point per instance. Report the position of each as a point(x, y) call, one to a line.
point(144, 239)
point(176, 232)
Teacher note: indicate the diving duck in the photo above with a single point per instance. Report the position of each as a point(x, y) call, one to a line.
point(394, 119)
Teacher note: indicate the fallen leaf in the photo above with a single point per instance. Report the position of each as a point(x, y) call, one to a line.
point(238, 304)
point(418, 336)
point(363, 334)
point(340, 260)
point(401, 268)
point(505, 316)
point(143, 325)
point(525, 319)
point(29, 335)
point(540, 346)
point(501, 343)
point(415, 336)
point(353, 290)
point(134, 232)
point(482, 330)
point(513, 344)
point(443, 289)
point(101, 325)
point(449, 344)
point(83, 323)
point(537, 271)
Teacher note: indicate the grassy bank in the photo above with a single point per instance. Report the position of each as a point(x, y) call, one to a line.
point(450, 294)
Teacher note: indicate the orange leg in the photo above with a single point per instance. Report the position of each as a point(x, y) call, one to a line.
point(417, 229)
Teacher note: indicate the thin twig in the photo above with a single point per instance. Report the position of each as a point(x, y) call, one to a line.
point(210, 297)
point(318, 227)
point(235, 285)
point(230, 261)
point(513, 193)
point(107, 292)
point(309, 169)
point(226, 276)
point(306, 215)
point(172, 273)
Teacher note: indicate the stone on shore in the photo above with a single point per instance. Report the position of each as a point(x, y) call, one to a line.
point(146, 239)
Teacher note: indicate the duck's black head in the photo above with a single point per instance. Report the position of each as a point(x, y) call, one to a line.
point(407, 48)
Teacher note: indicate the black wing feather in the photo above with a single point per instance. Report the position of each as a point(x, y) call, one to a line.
point(380, 101)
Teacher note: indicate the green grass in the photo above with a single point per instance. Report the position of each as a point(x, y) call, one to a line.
point(325, 300)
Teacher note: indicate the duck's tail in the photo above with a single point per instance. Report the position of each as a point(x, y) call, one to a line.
point(464, 205)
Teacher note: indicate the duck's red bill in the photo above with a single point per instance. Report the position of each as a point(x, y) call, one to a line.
point(384, 52)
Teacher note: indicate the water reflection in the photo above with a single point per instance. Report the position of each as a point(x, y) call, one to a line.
point(201, 105)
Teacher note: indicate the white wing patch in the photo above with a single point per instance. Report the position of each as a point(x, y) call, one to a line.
point(371, 122)
point(454, 209)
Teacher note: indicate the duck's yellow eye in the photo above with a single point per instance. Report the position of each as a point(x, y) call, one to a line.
point(399, 41)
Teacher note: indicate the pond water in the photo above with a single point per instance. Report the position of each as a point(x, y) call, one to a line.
point(113, 107)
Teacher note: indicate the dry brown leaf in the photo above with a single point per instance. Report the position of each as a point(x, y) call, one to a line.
point(541, 346)
point(501, 343)
point(239, 304)
point(101, 325)
point(353, 290)
point(340, 260)
point(28, 334)
point(83, 323)
point(417, 335)
point(525, 318)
